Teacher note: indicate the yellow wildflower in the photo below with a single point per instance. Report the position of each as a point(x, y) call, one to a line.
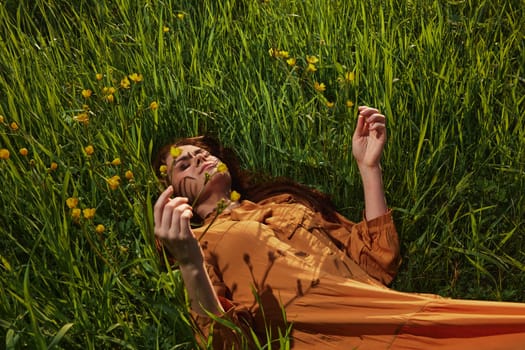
point(129, 175)
point(163, 169)
point(14, 126)
point(89, 213)
point(349, 76)
point(86, 93)
point(319, 86)
point(222, 168)
point(82, 118)
point(312, 59)
point(110, 98)
point(175, 151)
point(124, 83)
point(116, 161)
point(100, 229)
point(272, 52)
point(137, 78)
point(311, 67)
point(284, 54)
point(235, 196)
point(89, 150)
point(349, 104)
point(75, 213)
point(165, 29)
point(99, 76)
point(1, 119)
point(4, 153)
point(85, 107)
point(291, 61)
point(53, 166)
point(180, 16)
point(154, 105)
point(72, 202)
point(329, 104)
point(113, 182)
point(23, 151)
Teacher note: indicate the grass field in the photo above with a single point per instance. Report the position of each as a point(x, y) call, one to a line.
point(88, 89)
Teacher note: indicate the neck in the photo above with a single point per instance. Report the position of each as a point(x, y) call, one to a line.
point(209, 205)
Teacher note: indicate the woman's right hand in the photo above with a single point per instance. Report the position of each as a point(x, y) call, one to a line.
point(172, 227)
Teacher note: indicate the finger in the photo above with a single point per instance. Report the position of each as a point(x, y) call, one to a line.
point(176, 230)
point(167, 214)
point(360, 127)
point(376, 118)
point(160, 203)
point(185, 221)
point(367, 111)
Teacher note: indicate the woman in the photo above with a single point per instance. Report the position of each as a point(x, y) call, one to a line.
point(283, 256)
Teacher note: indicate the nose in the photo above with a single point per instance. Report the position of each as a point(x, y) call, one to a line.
point(199, 158)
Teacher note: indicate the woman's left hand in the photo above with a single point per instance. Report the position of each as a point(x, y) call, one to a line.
point(369, 137)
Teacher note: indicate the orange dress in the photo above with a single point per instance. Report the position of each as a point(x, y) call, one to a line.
point(277, 263)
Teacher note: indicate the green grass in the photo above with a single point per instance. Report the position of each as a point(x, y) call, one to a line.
point(449, 75)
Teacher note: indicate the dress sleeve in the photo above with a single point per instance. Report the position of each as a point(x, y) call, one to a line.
point(374, 245)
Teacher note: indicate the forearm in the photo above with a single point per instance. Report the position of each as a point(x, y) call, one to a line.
point(203, 298)
point(374, 194)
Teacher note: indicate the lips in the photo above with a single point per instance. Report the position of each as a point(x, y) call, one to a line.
point(208, 165)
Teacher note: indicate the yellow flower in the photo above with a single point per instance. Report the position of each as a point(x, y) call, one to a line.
point(86, 93)
point(82, 118)
point(23, 151)
point(319, 86)
point(124, 83)
point(163, 169)
point(72, 202)
point(108, 90)
point(1, 119)
point(284, 54)
point(222, 168)
point(312, 59)
point(14, 126)
point(311, 67)
point(100, 229)
point(235, 196)
point(137, 78)
point(53, 166)
point(129, 175)
point(116, 161)
point(4, 153)
point(175, 151)
point(349, 76)
point(99, 76)
point(89, 213)
point(154, 105)
point(291, 61)
point(272, 52)
point(165, 29)
point(85, 107)
point(75, 213)
point(329, 104)
point(89, 150)
point(110, 98)
point(180, 16)
point(349, 104)
point(113, 182)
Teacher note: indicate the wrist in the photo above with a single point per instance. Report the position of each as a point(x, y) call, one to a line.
point(366, 169)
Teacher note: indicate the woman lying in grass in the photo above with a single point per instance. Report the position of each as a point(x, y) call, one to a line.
point(282, 256)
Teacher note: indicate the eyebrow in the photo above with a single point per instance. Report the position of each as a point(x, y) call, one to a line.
point(187, 156)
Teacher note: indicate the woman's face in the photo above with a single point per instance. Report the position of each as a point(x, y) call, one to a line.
point(195, 169)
